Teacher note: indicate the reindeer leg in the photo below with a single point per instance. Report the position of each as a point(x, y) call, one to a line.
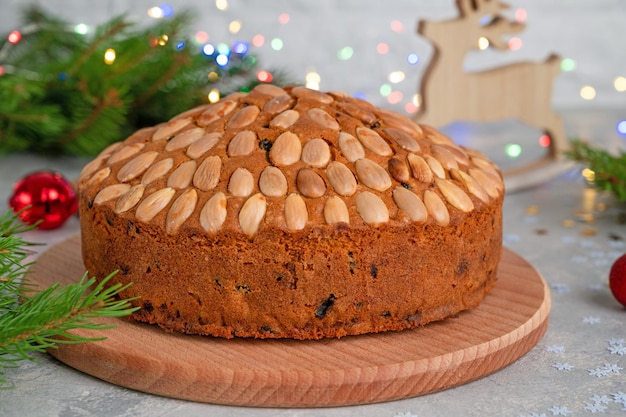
point(558, 139)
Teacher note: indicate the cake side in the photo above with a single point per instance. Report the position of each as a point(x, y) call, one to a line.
point(293, 213)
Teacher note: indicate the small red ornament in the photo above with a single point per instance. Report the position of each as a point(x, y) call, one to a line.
point(44, 196)
point(617, 279)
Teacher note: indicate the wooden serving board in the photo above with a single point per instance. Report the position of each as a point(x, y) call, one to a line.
point(289, 373)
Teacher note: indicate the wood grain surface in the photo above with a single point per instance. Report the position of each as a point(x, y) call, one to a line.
point(289, 373)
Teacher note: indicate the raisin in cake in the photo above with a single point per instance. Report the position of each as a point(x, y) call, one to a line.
point(293, 213)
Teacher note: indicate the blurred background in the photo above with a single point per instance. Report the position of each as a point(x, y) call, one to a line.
point(371, 49)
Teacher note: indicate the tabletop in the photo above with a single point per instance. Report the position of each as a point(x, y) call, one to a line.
point(567, 230)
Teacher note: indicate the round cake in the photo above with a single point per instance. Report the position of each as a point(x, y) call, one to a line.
point(292, 213)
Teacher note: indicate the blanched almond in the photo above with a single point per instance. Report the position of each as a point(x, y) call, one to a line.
point(436, 136)
point(371, 208)
point(403, 139)
point(99, 176)
point(184, 139)
point(307, 93)
point(208, 173)
point(350, 147)
point(241, 183)
point(410, 203)
point(180, 210)
point(323, 119)
point(111, 192)
point(213, 213)
point(136, 166)
point(270, 90)
point(278, 104)
point(486, 181)
point(341, 178)
point(393, 119)
point(373, 141)
point(455, 195)
point(286, 149)
point(130, 199)
point(157, 170)
point(419, 168)
point(252, 214)
point(471, 184)
point(91, 167)
point(436, 166)
point(316, 153)
point(398, 170)
point(216, 111)
point(436, 208)
point(272, 182)
point(335, 211)
point(243, 117)
point(182, 176)
point(203, 145)
point(242, 144)
point(125, 152)
point(310, 183)
point(358, 112)
point(372, 175)
point(170, 129)
point(444, 156)
point(296, 214)
point(153, 204)
point(285, 119)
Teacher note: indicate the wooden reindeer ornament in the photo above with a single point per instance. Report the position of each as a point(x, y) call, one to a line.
point(519, 91)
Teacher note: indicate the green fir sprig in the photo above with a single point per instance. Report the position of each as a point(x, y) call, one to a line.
point(37, 320)
point(609, 170)
point(58, 94)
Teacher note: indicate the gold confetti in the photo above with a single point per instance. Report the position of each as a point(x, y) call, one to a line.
point(532, 210)
point(568, 223)
point(589, 231)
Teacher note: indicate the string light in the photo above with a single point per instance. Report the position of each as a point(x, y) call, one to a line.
point(208, 49)
point(412, 59)
point(162, 40)
point(313, 80)
point(283, 18)
point(155, 12)
point(396, 77)
point(588, 92)
point(568, 64)
point(544, 141)
point(258, 40)
point(201, 37)
point(382, 48)
point(620, 84)
point(14, 37)
point(234, 26)
point(240, 47)
point(264, 76)
point(277, 44)
point(109, 56)
point(621, 128)
point(589, 174)
point(214, 95)
point(515, 44)
point(213, 76)
point(221, 5)
point(221, 60)
point(167, 10)
point(513, 150)
point(81, 29)
point(483, 43)
point(345, 53)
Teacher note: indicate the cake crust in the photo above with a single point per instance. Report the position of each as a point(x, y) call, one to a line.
point(292, 213)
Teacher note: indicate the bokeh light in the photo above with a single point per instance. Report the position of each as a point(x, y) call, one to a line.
point(258, 40)
point(214, 95)
point(240, 47)
point(81, 29)
point(396, 77)
point(345, 53)
point(568, 64)
point(521, 15)
point(382, 48)
point(412, 58)
point(544, 141)
point(313, 80)
point(587, 92)
point(109, 56)
point(208, 49)
point(621, 128)
point(483, 43)
point(620, 84)
point(515, 44)
point(395, 97)
point(397, 26)
point(283, 18)
point(234, 26)
point(385, 90)
point(221, 5)
point(513, 150)
point(201, 37)
point(277, 44)
point(14, 37)
point(264, 76)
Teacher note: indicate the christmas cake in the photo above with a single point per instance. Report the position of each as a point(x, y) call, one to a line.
point(292, 213)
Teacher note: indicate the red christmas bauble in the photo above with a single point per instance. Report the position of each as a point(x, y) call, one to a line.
point(44, 196)
point(617, 279)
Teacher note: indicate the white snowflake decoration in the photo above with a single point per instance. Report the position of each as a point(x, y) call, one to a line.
point(591, 320)
point(559, 411)
point(561, 366)
point(555, 349)
point(595, 408)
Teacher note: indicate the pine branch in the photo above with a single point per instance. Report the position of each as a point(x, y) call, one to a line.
point(34, 321)
point(609, 170)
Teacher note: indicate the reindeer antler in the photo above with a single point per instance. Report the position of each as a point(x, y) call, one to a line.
point(480, 8)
